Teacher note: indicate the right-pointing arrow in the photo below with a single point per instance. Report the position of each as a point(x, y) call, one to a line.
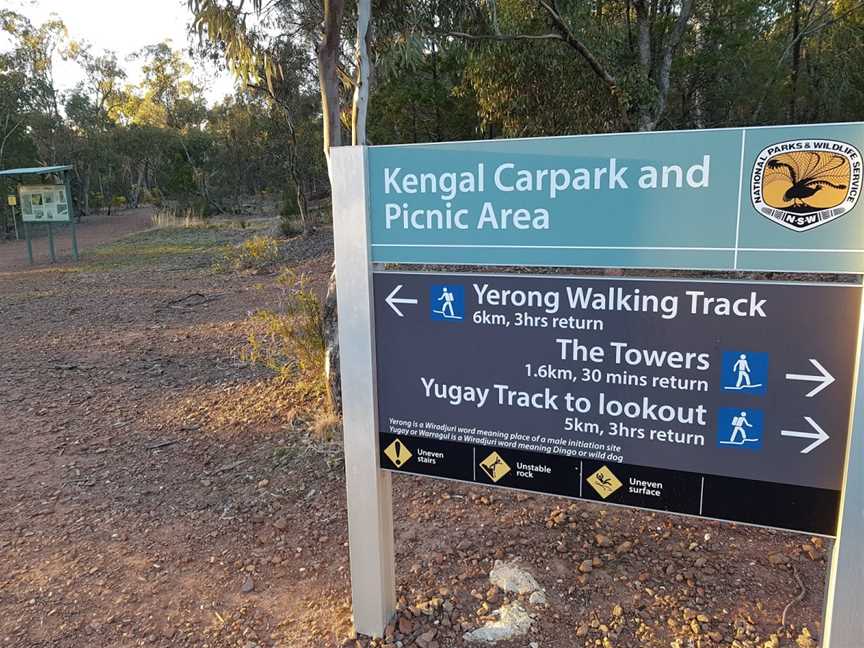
point(823, 378)
point(819, 436)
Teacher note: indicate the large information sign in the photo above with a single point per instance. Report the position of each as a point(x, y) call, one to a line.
point(44, 203)
point(773, 198)
point(727, 400)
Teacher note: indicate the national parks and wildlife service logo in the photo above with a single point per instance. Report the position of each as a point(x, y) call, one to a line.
point(802, 184)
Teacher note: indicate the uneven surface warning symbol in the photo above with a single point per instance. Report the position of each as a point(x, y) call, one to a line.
point(604, 482)
point(494, 466)
point(398, 453)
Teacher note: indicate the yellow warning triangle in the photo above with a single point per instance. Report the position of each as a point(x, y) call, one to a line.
point(398, 453)
point(604, 482)
point(494, 466)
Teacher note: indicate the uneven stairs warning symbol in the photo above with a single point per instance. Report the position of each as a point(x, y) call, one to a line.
point(398, 453)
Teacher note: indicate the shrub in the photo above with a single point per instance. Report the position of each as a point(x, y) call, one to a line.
point(290, 225)
point(290, 341)
point(259, 253)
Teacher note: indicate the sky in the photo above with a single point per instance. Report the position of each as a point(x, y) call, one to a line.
point(123, 26)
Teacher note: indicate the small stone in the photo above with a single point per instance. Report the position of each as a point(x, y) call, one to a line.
point(406, 626)
point(264, 483)
point(617, 611)
point(603, 540)
point(511, 578)
point(248, 585)
point(624, 547)
point(537, 598)
point(586, 566)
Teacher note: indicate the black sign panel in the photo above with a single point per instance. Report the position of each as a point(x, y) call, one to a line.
point(717, 399)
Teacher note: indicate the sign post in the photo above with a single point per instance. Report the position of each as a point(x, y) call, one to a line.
point(842, 618)
point(29, 241)
point(370, 506)
point(51, 243)
point(725, 399)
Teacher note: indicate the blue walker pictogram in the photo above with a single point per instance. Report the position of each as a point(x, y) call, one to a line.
point(447, 302)
point(739, 428)
point(745, 371)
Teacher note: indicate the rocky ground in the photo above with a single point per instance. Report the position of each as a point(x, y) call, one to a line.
point(157, 491)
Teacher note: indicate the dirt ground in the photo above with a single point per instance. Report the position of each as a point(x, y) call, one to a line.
point(91, 231)
point(155, 490)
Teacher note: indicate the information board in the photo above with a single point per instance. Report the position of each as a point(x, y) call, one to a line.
point(772, 198)
point(44, 203)
point(727, 400)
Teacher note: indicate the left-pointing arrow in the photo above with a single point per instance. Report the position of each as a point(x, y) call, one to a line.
point(819, 436)
point(392, 300)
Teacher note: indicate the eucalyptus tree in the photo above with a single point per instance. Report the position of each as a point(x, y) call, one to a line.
point(246, 42)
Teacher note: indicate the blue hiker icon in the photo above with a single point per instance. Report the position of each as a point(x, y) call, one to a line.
point(745, 371)
point(447, 302)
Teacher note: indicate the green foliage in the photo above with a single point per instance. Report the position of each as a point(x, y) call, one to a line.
point(290, 341)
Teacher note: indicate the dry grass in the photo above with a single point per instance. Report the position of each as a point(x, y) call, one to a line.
point(178, 219)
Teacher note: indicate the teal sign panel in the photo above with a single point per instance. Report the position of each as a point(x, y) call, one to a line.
point(772, 198)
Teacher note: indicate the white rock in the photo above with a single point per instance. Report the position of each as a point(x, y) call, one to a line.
point(537, 598)
point(513, 621)
point(511, 578)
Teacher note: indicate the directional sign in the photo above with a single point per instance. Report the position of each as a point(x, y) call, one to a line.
point(772, 198)
point(681, 396)
point(818, 435)
point(822, 379)
point(392, 300)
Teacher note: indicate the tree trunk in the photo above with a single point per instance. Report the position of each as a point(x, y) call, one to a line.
point(136, 189)
point(331, 339)
point(796, 60)
point(328, 61)
point(361, 89)
point(328, 72)
point(85, 191)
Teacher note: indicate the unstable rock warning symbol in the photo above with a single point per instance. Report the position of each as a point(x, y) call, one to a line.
point(398, 453)
point(494, 466)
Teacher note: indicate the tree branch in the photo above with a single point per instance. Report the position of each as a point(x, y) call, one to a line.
point(568, 37)
point(504, 37)
point(666, 61)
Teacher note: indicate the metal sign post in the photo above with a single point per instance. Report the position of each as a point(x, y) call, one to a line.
point(71, 204)
point(370, 506)
point(733, 400)
point(51, 243)
point(29, 241)
point(843, 621)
